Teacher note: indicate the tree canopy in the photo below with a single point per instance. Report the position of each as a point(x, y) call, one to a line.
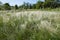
point(7, 6)
point(38, 5)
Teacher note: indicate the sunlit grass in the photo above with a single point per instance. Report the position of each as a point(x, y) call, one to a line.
point(30, 25)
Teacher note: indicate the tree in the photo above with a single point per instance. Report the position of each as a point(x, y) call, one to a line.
point(23, 6)
point(1, 5)
point(26, 6)
point(16, 7)
point(50, 0)
point(51, 3)
point(39, 5)
point(34, 6)
point(7, 6)
point(30, 6)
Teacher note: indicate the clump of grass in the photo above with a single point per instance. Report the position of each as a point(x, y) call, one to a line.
point(29, 27)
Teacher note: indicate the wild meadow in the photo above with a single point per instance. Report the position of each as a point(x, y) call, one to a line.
point(30, 25)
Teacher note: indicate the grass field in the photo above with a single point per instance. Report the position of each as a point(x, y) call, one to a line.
point(30, 25)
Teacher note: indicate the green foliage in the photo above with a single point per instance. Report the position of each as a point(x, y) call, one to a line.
point(7, 6)
point(39, 5)
point(34, 6)
point(16, 7)
point(26, 6)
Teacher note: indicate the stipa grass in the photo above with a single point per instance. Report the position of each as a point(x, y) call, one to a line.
point(30, 26)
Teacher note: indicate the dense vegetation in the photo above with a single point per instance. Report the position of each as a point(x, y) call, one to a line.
point(38, 5)
point(30, 25)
